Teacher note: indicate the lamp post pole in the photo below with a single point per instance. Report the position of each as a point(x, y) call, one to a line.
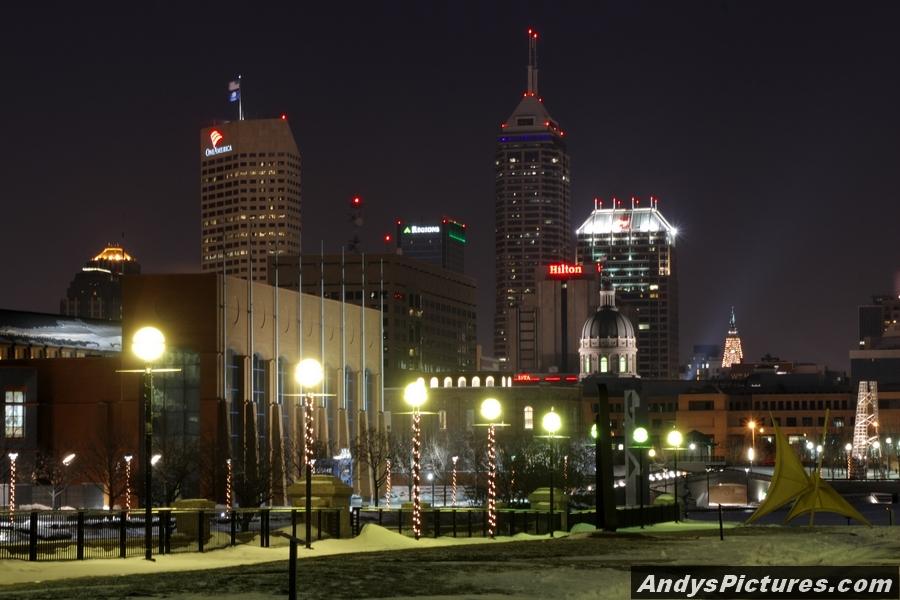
point(308, 374)
point(675, 439)
point(147, 389)
point(415, 396)
point(598, 469)
point(551, 423)
point(308, 457)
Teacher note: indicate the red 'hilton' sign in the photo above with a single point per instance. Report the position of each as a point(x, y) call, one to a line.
point(564, 271)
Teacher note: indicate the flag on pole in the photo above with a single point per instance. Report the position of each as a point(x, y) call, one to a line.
point(234, 91)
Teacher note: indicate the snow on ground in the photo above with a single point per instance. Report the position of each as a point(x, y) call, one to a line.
point(580, 566)
point(372, 539)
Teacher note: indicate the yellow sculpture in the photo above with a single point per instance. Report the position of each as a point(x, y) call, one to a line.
point(810, 493)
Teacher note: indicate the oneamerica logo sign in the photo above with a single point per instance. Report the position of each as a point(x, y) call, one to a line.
point(215, 136)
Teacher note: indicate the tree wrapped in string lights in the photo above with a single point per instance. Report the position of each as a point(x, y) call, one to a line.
point(12, 483)
point(308, 374)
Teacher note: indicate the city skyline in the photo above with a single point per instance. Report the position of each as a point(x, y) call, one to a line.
point(757, 144)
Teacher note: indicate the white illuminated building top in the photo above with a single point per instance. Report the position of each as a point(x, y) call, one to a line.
point(605, 221)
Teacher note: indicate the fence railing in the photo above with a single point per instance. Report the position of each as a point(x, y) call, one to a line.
point(53, 535)
point(83, 534)
point(473, 522)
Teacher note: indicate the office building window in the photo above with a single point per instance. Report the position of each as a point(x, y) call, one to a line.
point(529, 417)
point(14, 410)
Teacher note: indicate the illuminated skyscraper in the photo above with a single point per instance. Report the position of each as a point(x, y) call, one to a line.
point(96, 290)
point(532, 223)
point(637, 248)
point(733, 353)
point(249, 196)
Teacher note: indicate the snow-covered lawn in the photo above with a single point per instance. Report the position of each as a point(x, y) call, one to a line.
point(380, 563)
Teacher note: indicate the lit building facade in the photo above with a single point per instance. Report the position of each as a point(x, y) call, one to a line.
point(733, 353)
point(636, 247)
point(249, 196)
point(429, 312)
point(532, 198)
point(440, 243)
point(544, 330)
point(96, 290)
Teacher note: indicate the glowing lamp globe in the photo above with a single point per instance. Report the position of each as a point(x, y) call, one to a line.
point(415, 394)
point(848, 447)
point(148, 344)
point(551, 422)
point(651, 453)
point(640, 435)
point(308, 373)
point(751, 454)
point(674, 438)
point(594, 431)
point(490, 409)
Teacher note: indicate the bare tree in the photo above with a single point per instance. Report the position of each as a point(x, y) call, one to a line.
point(373, 450)
point(176, 469)
point(102, 462)
point(401, 458)
point(55, 471)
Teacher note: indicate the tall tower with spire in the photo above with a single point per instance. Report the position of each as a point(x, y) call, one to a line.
point(532, 196)
point(733, 353)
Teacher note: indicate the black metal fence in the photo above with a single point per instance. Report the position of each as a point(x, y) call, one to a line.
point(78, 535)
point(473, 522)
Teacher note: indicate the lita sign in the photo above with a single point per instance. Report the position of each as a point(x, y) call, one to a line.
point(215, 136)
point(565, 271)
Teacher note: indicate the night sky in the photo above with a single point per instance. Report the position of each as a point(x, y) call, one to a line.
point(769, 131)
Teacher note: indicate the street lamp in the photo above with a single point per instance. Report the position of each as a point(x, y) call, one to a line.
point(229, 474)
point(675, 439)
point(552, 424)
point(415, 396)
point(640, 437)
point(308, 374)
point(453, 480)
point(848, 448)
point(490, 411)
point(888, 441)
point(12, 481)
point(66, 461)
point(148, 344)
point(128, 458)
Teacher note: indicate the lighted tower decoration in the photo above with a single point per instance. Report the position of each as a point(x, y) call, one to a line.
point(865, 430)
point(733, 353)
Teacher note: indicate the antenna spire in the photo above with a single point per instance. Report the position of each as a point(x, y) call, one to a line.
point(532, 89)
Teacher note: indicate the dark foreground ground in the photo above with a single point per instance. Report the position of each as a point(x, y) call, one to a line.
point(587, 566)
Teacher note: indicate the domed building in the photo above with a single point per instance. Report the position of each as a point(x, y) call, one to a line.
point(608, 344)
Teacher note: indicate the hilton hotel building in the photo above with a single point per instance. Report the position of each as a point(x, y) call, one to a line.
point(249, 196)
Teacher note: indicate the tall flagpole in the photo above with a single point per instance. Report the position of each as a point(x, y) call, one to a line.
point(362, 340)
point(322, 311)
point(240, 99)
point(381, 341)
point(343, 336)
